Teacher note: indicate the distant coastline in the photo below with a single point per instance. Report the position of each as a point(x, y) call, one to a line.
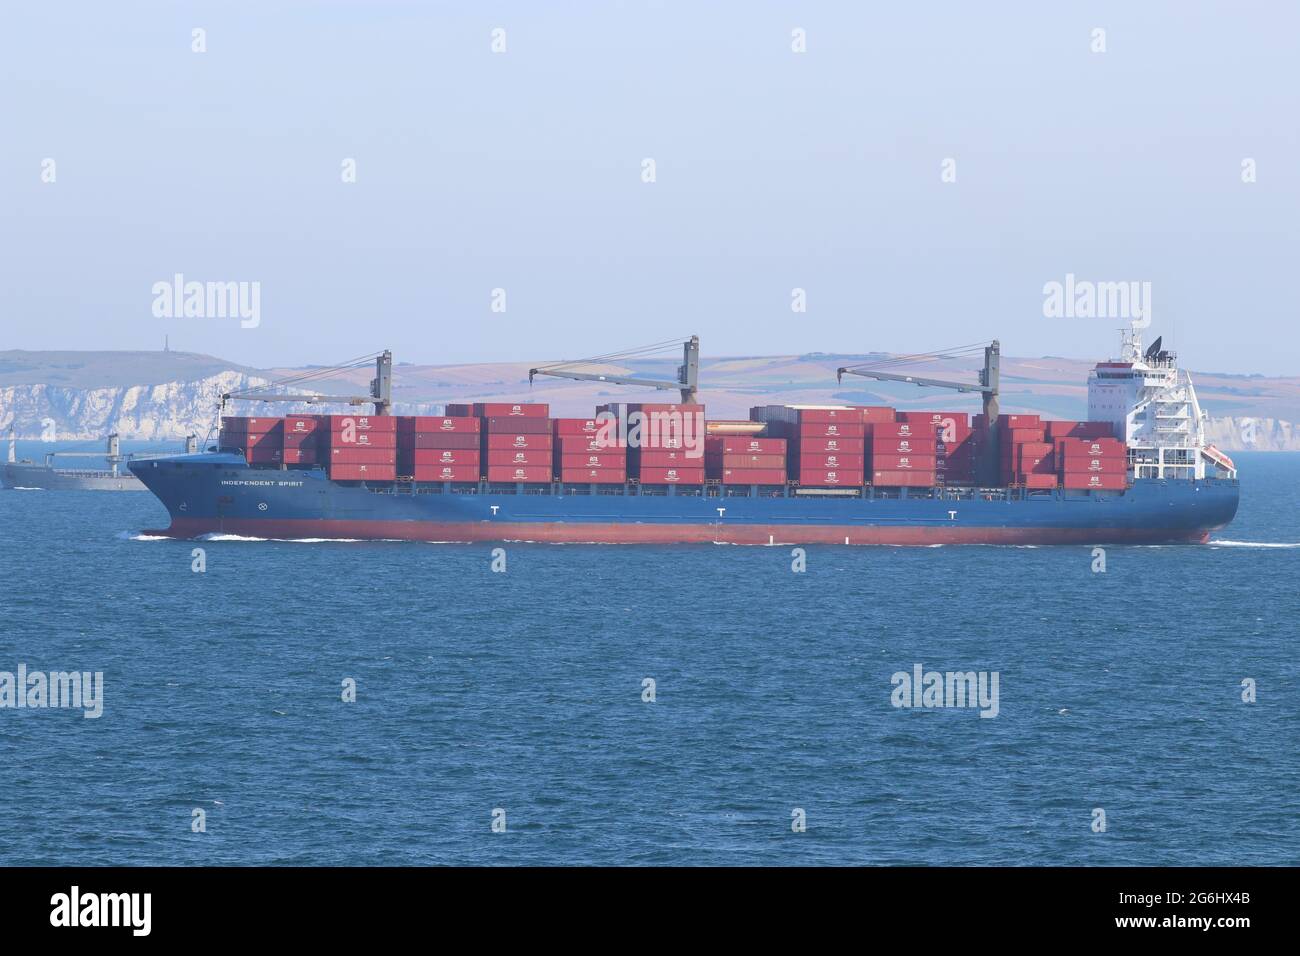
point(164, 396)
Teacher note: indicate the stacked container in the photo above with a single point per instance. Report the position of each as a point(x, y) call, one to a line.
point(432, 448)
point(1093, 463)
point(259, 440)
point(1025, 458)
point(583, 452)
point(359, 447)
point(903, 454)
point(301, 441)
point(954, 444)
point(745, 459)
point(825, 445)
point(516, 441)
point(668, 451)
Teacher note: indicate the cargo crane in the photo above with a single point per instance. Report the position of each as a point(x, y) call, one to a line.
point(989, 378)
point(688, 373)
point(381, 387)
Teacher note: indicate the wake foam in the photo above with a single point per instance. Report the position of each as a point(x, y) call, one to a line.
point(1254, 544)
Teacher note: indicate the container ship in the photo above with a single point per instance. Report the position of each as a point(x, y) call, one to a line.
point(1137, 471)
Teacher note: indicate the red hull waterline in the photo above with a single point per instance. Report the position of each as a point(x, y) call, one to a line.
point(617, 533)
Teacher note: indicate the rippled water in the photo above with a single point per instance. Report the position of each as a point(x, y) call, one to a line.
point(523, 691)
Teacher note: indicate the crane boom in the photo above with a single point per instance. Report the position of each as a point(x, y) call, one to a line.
point(688, 374)
point(381, 391)
point(989, 386)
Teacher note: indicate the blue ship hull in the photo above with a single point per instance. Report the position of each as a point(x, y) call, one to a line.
point(219, 493)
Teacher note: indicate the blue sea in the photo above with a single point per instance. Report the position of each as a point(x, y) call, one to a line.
point(518, 697)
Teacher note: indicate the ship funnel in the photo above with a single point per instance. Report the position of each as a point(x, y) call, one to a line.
point(191, 444)
point(13, 445)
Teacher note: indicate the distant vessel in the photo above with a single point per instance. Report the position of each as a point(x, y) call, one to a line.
point(27, 474)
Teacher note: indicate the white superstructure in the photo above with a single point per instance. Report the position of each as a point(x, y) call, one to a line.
point(1152, 406)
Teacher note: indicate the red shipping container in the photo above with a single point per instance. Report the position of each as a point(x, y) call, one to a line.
point(904, 446)
point(1093, 447)
point(903, 479)
point(516, 457)
point(1061, 429)
point(753, 476)
point(935, 418)
point(672, 476)
point(441, 456)
point(666, 458)
point(300, 440)
point(603, 459)
point(744, 445)
point(748, 461)
point(300, 456)
point(350, 439)
point(273, 439)
point(363, 472)
point(1035, 456)
point(1019, 421)
point(533, 474)
point(1108, 482)
point(574, 444)
point(964, 446)
point(818, 477)
point(363, 423)
point(506, 410)
point(517, 426)
point(828, 462)
point(301, 424)
point(438, 440)
point(445, 472)
point(576, 426)
point(902, 430)
point(363, 456)
point(841, 429)
point(826, 415)
point(262, 455)
point(904, 463)
point(827, 446)
point(250, 426)
point(876, 413)
point(530, 442)
point(662, 440)
point(593, 475)
point(1038, 481)
point(1018, 436)
point(433, 424)
point(953, 434)
point(1083, 464)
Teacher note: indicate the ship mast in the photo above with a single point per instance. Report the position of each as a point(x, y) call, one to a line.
point(989, 385)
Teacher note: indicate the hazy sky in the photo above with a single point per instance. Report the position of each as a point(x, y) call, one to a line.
point(775, 170)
